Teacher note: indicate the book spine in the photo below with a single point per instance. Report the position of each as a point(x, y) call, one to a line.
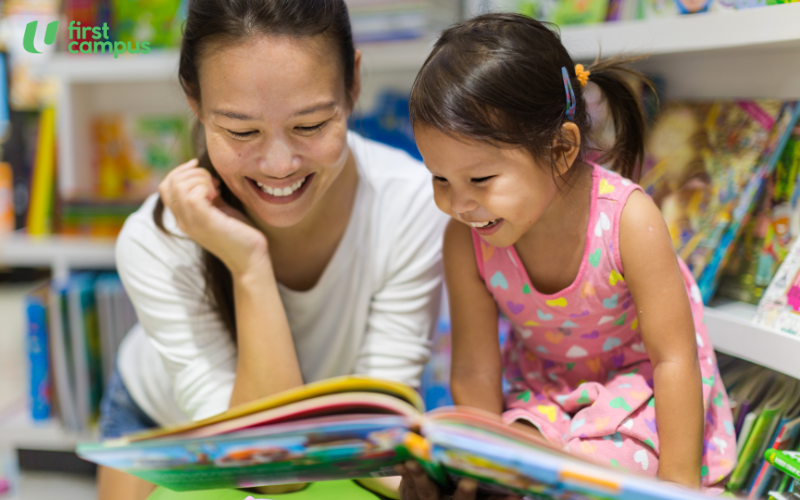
point(80, 358)
point(59, 340)
point(38, 356)
point(43, 183)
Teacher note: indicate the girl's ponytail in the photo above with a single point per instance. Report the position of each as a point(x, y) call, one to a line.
point(625, 106)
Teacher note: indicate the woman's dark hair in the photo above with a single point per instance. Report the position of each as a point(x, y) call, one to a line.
point(234, 21)
point(497, 78)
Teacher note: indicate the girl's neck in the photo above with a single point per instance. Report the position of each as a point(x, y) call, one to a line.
point(552, 249)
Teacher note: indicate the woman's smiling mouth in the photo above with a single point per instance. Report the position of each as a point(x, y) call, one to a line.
point(282, 195)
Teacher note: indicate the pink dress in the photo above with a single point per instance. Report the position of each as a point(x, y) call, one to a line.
point(575, 360)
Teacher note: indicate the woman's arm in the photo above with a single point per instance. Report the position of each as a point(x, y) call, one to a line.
point(476, 371)
point(267, 361)
point(667, 328)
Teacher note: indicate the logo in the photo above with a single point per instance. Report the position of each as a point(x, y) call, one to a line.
point(79, 41)
point(30, 32)
point(83, 40)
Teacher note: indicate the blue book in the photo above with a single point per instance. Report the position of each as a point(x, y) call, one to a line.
point(38, 353)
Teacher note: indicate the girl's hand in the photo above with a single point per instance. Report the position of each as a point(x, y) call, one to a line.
point(193, 197)
point(416, 485)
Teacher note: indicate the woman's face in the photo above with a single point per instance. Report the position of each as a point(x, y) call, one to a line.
point(500, 192)
point(275, 112)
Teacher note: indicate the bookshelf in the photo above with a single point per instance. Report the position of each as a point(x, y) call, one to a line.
point(756, 30)
point(60, 253)
point(19, 431)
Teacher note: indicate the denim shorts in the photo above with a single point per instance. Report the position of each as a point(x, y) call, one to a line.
point(119, 413)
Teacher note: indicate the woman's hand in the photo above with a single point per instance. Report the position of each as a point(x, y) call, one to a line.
point(416, 485)
point(193, 197)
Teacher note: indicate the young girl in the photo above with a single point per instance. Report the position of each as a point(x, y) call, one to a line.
point(609, 356)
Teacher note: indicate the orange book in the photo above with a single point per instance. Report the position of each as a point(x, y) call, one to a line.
point(6, 199)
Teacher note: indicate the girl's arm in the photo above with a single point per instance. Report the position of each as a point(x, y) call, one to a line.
point(667, 328)
point(476, 373)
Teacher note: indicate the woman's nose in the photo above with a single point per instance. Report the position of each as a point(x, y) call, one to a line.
point(279, 160)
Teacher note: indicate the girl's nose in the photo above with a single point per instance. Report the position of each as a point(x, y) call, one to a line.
point(461, 202)
point(279, 160)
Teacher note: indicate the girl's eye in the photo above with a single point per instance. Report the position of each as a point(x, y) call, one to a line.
point(436, 178)
point(241, 135)
point(312, 129)
point(478, 180)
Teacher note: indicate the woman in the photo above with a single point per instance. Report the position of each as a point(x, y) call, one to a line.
point(293, 251)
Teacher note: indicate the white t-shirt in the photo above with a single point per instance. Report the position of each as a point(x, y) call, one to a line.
point(372, 311)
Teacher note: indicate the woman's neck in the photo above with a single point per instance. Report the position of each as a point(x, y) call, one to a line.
point(301, 253)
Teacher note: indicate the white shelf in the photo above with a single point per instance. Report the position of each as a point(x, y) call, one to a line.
point(61, 253)
point(18, 430)
point(766, 28)
point(163, 64)
point(731, 332)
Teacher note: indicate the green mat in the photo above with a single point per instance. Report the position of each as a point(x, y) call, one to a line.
point(329, 490)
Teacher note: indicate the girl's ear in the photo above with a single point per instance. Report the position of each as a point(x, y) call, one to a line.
point(566, 147)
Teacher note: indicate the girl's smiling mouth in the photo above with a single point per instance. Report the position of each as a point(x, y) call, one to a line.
point(487, 227)
point(282, 195)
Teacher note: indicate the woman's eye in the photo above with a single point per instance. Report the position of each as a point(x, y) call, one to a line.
point(478, 180)
point(436, 178)
point(241, 135)
point(308, 130)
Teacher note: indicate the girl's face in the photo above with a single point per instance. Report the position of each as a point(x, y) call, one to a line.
point(500, 192)
point(275, 114)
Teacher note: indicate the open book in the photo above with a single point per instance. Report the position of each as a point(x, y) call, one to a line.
point(360, 427)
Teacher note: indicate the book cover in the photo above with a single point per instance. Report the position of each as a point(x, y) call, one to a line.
point(766, 417)
point(779, 308)
point(706, 177)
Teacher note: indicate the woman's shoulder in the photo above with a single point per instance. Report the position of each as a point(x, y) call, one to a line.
point(387, 168)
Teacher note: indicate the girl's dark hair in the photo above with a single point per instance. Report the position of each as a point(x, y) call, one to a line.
point(497, 78)
point(233, 21)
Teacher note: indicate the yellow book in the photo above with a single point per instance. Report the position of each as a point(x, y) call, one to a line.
point(40, 207)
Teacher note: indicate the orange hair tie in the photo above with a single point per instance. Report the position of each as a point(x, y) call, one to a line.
point(582, 74)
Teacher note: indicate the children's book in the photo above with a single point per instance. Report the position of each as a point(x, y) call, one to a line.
point(779, 308)
point(85, 345)
point(360, 427)
point(785, 438)
point(38, 353)
point(765, 419)
point(706, 165)
point(61, 356)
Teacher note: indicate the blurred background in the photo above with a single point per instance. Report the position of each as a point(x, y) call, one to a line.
point(84, 138)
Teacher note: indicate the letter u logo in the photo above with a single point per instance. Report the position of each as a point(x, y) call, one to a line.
point(30, 32)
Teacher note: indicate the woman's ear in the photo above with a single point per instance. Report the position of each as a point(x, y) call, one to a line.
point(195, 107)
point(355, 89)
point(566, 147)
